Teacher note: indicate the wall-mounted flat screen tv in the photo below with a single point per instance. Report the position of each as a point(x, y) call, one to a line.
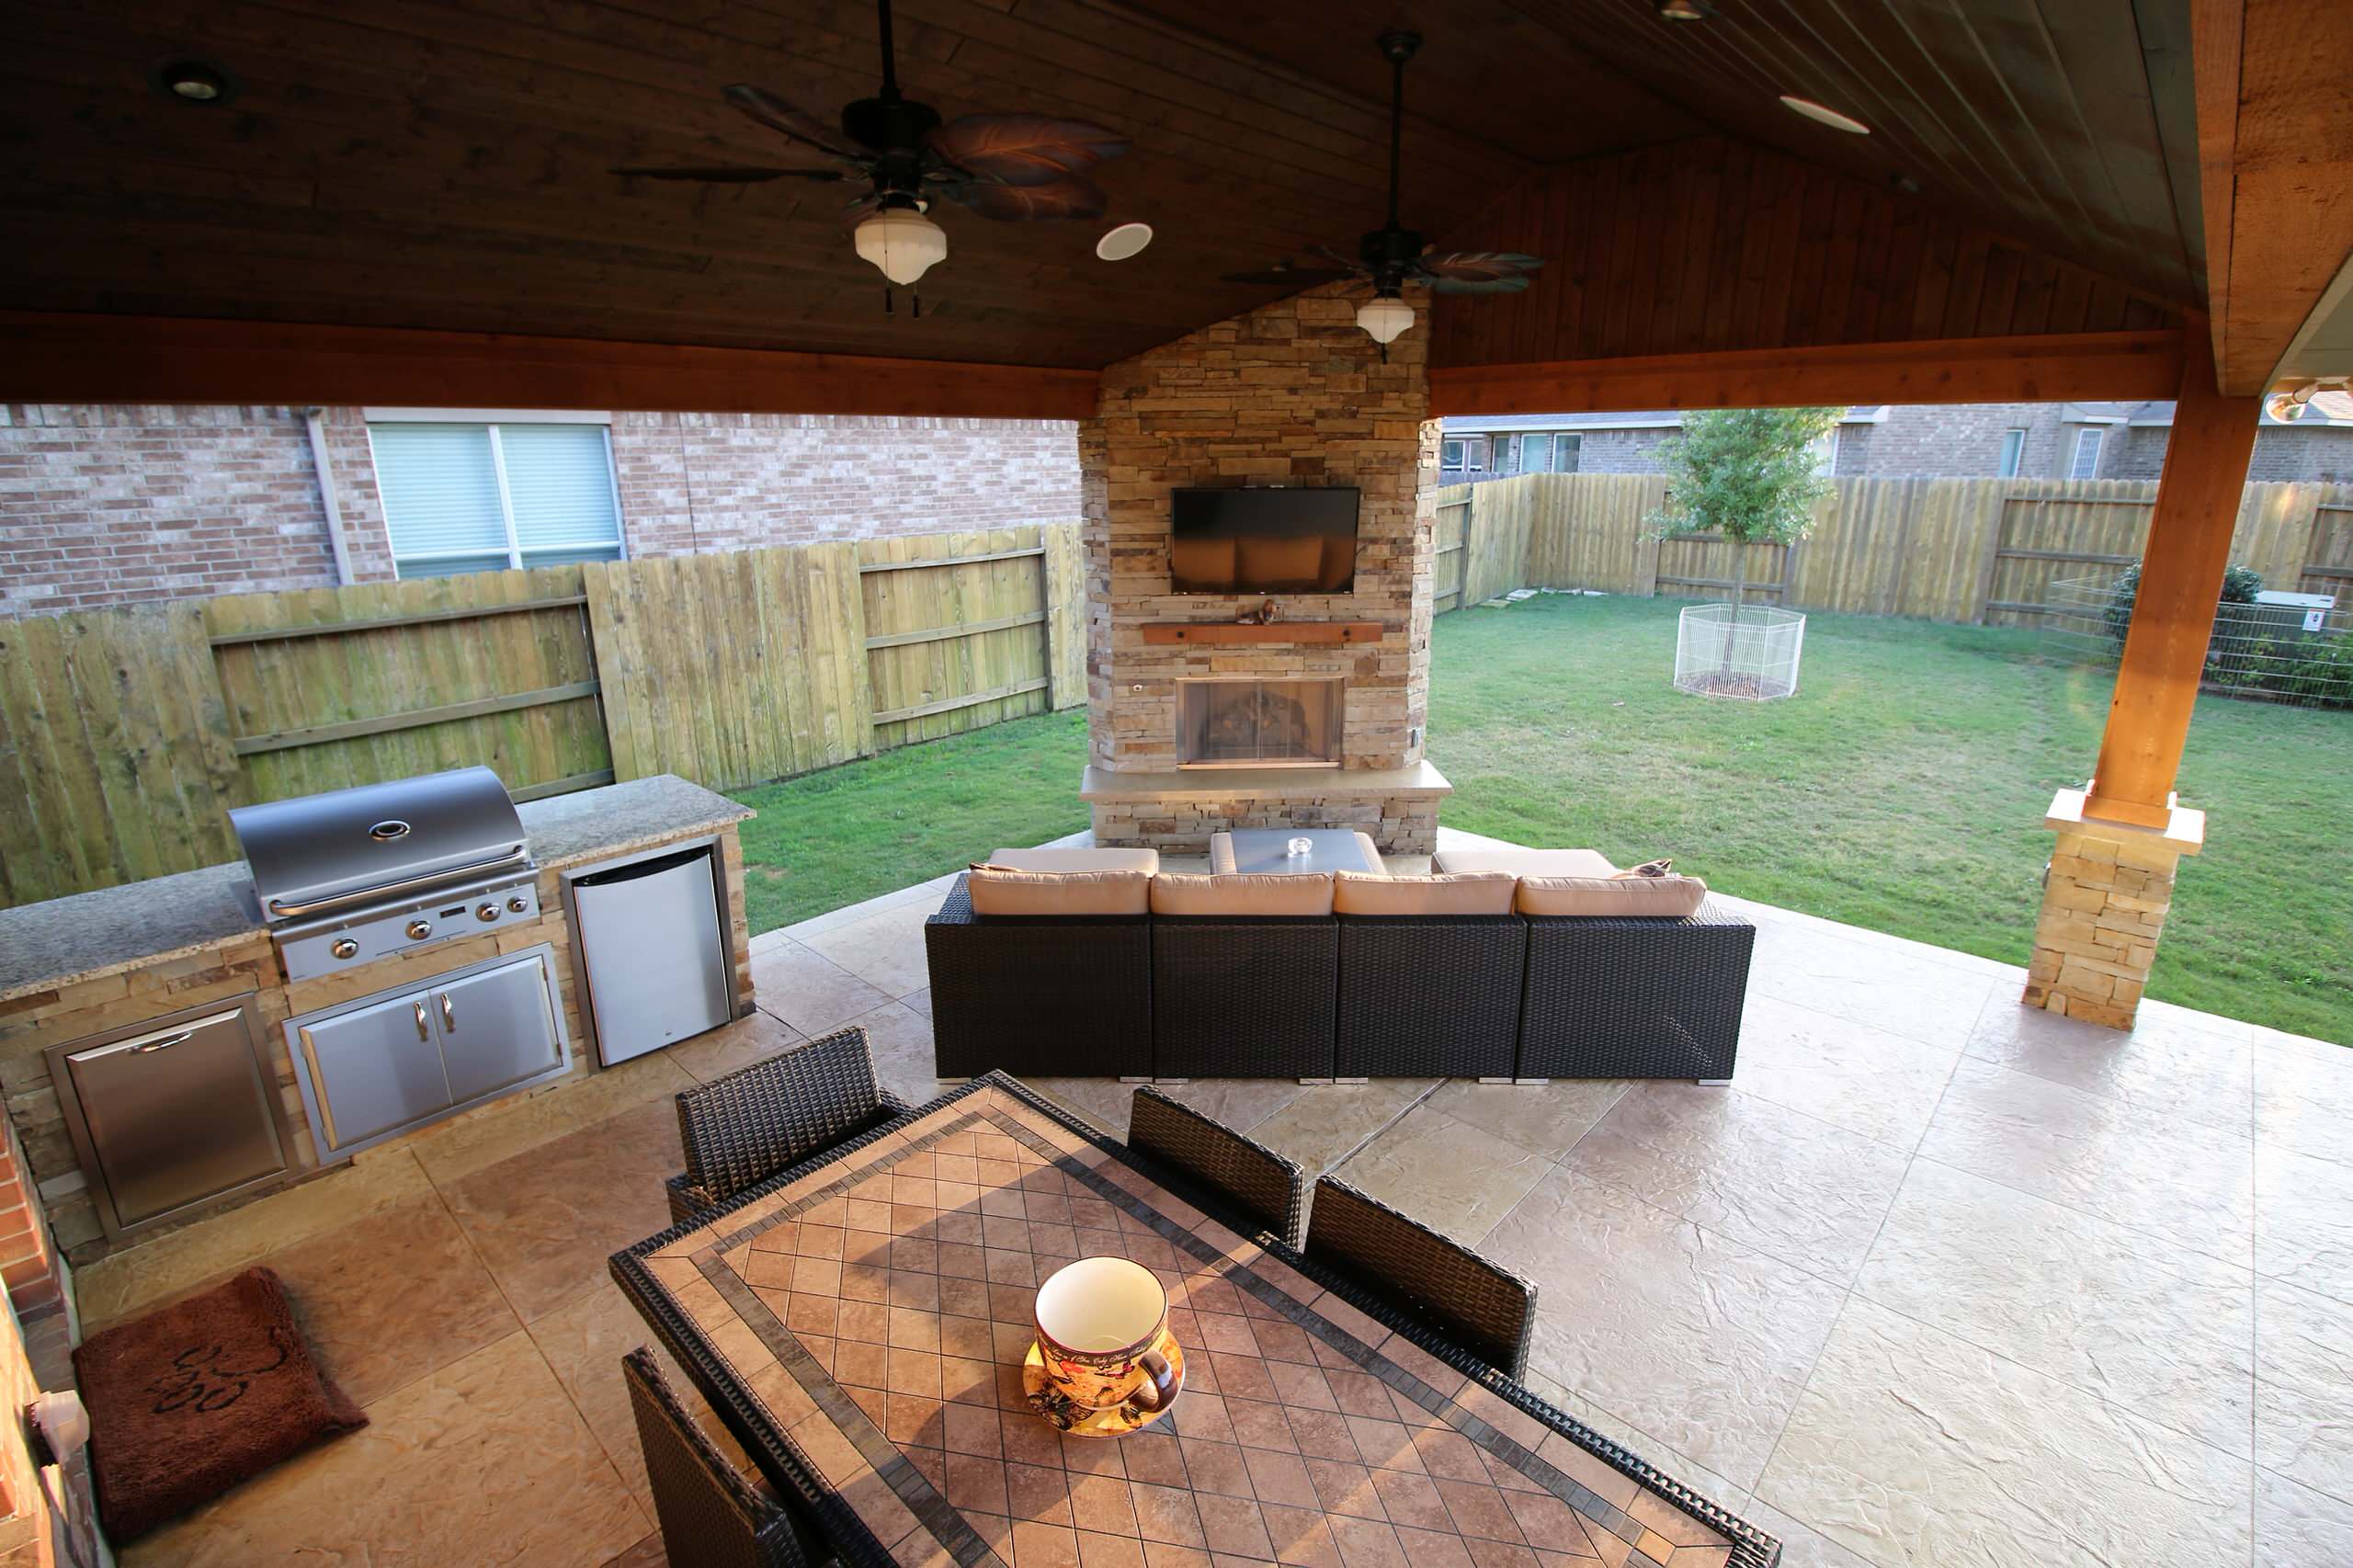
point(1263, 540)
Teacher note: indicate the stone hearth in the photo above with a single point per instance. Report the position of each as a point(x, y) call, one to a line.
point(1291, 393)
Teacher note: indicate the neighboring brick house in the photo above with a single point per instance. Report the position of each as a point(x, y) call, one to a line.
point(107, 506)
point(2034, 441)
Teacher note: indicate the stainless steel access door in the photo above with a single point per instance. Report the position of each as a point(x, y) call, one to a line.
point(497, 1028)
point(373, 1069)
point(173, 1117)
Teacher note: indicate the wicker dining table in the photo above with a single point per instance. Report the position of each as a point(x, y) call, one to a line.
point(860, 1322)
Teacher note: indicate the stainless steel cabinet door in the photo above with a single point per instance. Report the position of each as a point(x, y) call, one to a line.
point(177, 1116)
point(376, 1069)
point(497, 1028)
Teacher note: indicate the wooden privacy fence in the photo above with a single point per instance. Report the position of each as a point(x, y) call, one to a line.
point(129, 734)
point(1957, 549)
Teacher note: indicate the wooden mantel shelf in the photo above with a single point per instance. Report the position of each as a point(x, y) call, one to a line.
point(1230, 633)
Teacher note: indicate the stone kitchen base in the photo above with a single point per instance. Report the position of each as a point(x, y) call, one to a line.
point(1178, 811)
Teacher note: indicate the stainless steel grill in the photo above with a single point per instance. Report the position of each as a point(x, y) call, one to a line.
point(355, 875)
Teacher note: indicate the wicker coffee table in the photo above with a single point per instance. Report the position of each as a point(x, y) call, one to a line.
point(859, 1324)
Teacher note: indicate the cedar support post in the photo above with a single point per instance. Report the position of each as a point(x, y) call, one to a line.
point(2111, 877)
point(2181, 582)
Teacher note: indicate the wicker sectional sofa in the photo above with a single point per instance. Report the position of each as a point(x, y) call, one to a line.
point(1525, 965)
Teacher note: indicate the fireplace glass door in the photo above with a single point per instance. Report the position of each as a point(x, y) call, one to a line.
point(1258, 723)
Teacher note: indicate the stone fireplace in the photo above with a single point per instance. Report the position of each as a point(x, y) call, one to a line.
point(1196, 721)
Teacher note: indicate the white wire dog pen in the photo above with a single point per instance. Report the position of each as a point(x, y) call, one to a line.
point(1753, 656)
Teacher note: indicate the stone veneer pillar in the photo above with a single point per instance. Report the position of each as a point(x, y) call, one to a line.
point(2104, 905)
point(1289, 394)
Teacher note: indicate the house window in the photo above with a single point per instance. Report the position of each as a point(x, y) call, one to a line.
point(2086, 463)
point(1475, 454)
point(1450, 455)
point(1567, 449)
point(1535, 453)
point(492, 498)
point(1506, 454)
point(1825, 453)
point(2013, 453)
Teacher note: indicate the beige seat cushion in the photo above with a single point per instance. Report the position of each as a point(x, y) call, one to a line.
point(1175, 894)
point(997, 890)
point(1144, 860)
point(1526, 862)
point(1612, 895)
point(1468, 892)
point(1222, 854)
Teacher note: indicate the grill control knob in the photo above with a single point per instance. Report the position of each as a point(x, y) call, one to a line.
point(519, 904)
point(420, 929)
point(344, 947)
point(485, 912)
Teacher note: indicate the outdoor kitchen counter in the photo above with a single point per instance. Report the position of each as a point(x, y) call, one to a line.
point(87, 937)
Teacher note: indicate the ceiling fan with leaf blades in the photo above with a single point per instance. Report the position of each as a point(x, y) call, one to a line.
point(1011, 168)
point(1394, 255)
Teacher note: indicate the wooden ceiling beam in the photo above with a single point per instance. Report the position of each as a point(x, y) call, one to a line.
point(62, 357)
point(2275, 154)
point(2041, 369)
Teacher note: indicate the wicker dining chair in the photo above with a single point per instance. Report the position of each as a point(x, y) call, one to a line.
point(1486, 1309)
point(1235, 1172)
point(711, 1514)
point(741, 1130)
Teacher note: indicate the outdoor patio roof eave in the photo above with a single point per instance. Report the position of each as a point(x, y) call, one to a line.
point(66, 358)
point(2113, 366)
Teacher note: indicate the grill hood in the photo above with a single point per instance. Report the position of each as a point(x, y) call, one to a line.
point(319, 852)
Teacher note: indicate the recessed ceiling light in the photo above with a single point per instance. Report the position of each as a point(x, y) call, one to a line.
point(194, 82)
point(1123, 242)
point(1685, 10)
point(1824, 115)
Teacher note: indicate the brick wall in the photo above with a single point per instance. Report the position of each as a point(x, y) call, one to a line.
point(109, 506)
point(695, 483)
point(104, 505)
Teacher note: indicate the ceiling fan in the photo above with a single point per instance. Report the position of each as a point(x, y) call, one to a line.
point(1012, 167)
point(1394, 255)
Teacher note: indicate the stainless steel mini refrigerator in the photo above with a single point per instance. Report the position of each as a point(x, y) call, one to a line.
point(651, 935)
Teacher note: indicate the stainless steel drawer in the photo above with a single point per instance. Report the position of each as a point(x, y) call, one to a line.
point(171, 1116)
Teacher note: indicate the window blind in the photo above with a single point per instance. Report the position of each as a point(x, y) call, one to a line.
point(560, 479)
point(440, 492)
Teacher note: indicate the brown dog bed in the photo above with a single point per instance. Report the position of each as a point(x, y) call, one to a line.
point(192, 1399)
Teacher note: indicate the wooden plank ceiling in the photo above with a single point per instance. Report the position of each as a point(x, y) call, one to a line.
point(443, 164)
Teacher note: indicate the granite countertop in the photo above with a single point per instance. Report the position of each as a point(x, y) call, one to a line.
point(65, 941)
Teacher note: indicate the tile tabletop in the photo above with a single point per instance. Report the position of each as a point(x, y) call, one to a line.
point(865, 1324)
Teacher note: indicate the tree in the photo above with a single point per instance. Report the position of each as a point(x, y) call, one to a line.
point(1747, 473)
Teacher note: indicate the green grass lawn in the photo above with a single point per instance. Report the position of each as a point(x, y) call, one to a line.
point(849, 832)
point(1902, 788)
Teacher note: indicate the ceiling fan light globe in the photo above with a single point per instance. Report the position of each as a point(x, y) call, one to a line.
point(1385, 318)
point(902, 243)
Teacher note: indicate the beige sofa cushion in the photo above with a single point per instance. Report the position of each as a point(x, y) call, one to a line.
point(1144, 860)
point(1671, 896)
point(996, 890)
point(1175, 894)
point(1467, 893)
point(1526, 862)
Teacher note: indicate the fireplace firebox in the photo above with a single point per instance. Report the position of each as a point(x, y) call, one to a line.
point(1258, 723)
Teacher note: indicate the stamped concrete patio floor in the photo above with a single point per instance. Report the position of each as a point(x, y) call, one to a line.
point(1937, 1282)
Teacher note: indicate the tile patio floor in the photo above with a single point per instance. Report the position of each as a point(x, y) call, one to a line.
point(1938, 1281)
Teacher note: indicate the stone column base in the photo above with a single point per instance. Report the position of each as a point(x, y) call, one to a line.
point(2104, 907)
